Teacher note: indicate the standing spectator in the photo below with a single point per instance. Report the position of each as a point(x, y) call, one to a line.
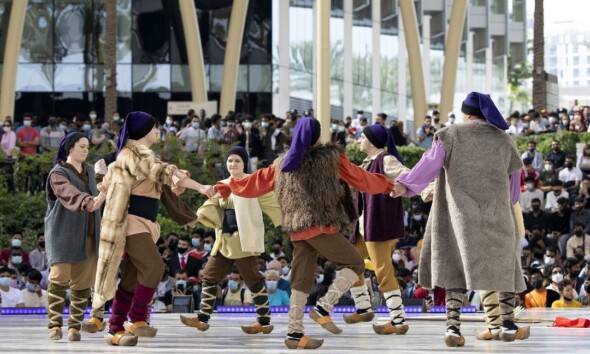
point(51, 136)
point(529, 194)
point(276, 297)
point(167, 128)
point(101, 137)
point(570, 173)
point(33, 295)
point(397, 131)
point(277, 249)
point(38, 257)
point(436, 124)
point(231, 134)
point(193, 136)
point(11, 297)
point(252, 142)
point(337, 133)
point(28, 137)
point(214, 133)
point(556, 155)
point(535, 156)
point(381, 118)
point(8, 144)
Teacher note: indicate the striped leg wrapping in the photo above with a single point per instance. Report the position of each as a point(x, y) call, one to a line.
point(208, 295)
point(56, 298)
point(341, 284)
point(78, 303)
point(297, 311)
point(260, 298)
point(360, 295)
point(393, 300)
point(454, 300)
point(491, 306)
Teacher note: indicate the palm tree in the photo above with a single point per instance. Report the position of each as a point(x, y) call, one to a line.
point(539, 57)
point(110, 59)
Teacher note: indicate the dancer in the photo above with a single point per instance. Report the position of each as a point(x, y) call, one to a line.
point(236, 242)
point(311, 182)
point(380, 224)
point(471, 238)
point(72, 229)
point(133, 185)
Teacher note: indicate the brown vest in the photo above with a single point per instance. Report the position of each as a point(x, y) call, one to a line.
point(313, 195)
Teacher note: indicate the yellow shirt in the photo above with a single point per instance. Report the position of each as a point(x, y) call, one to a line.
point(560, 304)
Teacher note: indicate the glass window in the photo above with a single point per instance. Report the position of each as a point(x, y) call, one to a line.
point(218, 31)
point(124, 20)
point(37, 39)
point(74, 77)
point(123, 77)
point(151, 33)
point(74, 31)
point(576, 72)
point(181, 81)
point(34, 77)
point(576, 59)
point(154, 78)
point(256, 46)
point(259, 78)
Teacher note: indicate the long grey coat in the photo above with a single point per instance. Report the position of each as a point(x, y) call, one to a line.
point(471, 240)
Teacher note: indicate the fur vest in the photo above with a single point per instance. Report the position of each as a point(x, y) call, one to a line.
point(135, 162)
point(313, 195)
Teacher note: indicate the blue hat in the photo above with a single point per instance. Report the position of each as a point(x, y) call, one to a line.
point(137, 125)
point(242, 153)
point(381, 137)
point(66, 144)
point(307, 132)
point(481, 105)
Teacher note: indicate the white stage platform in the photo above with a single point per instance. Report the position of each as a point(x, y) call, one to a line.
point(28, 334)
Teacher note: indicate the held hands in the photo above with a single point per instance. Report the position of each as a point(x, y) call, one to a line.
point(96, 202)
point(207, 190)
point(398, 190)
point(101, 167)
point(192, 224)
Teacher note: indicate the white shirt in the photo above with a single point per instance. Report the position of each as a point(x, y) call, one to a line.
point(514, 130)
point(537, 159)
point(12, 297)
point(193, 139)
point(527, 196)
point(31, 299)
point(574, 175)
point(552, 199)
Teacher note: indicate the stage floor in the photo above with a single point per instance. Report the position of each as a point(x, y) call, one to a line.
point(27, 334)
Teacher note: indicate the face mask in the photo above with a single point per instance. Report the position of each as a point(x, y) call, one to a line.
point(565, 122)
point(5, 281)
point(549, 260)
point(264, 124)
point(552, 121)
point(41, 244)
point(396, 257)
point(86, 127)
point(51, 123)
point(233, 285)
point(525, 125)
point(31, 287)
point(196, 125)
point(531, 150)
point(557, 192)
point(207, 247)
point(115, 118)
point(63, 128)
point(574, 274)
point(16, 242)
point(27, 123)
point(417, 217)
point(180, 282)
point(271, 285)
point(17, 260)
point(557, 278)
point(320, 278)
point(537, 284)
point(452, 120)
point(93, 116)
point(223, 124)
point(567, 298)
point(579, 257)
point(579, 233)
point(548, 167)
point(529, 186)
point(6, 129)
point(569, 165)
point(247, 125)
point(231, 124)
point(285, 270)
point(415, 278)
point(334, 127)
point(196, 242)
point(181, 250)
point(169, 121)
point(359, 116)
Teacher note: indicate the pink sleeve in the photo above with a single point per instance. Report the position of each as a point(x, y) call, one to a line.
point(515, 187)
point(425, 171)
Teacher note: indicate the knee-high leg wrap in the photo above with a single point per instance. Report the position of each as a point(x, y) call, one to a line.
point(140, 306)
point(454, 300)
point(56, 299)
point(208, 295)
point(120, 309)
point(78, 303)
point(360, 295)
point(491, 305)
point(507, 306)
point(393, 300)
point(260, 299)
point(341, 284)
point(297, 311)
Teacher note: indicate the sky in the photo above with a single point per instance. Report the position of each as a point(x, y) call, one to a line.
point(563, 15)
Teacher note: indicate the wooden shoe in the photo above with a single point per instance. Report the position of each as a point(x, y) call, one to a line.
point(362, 317)
point(74, 335)
point(389, 328)
point(487, 334)
point(55, 333)
point(121, 338)
point(454, 340)
point(93, 325)
point(304, 343)
point(523, 333)
point(140, 329)
point(194, 322)
point(324, 321)
point(257, 328)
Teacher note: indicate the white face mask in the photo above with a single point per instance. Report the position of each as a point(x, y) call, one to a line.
point(27, 123)
point(549, 260)
point(247, 125)
point(264, 124)
point(6, 129)
point(93, 116)
point(557, 278)
point(396, 257)
point(116, 118)
point(169, 121)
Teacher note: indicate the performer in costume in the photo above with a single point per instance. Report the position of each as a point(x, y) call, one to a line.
point(236, 242)
point(311, 182)
point(380, 224)
point(72, 229)
point(133, 186)
point(471, 238)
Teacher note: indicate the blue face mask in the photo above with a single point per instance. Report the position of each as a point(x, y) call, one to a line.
point(196, 125)
point(271, 285)
point(208, 247)
point(16, 260)
point(196, 242)
point(320, 278)
point(417, 217)
point(529, 186)
point(5, 281)
point(285, 270)
point(31, 287)
point(16, 242)
point(233, 285)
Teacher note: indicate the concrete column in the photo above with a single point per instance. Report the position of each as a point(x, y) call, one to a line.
point(426, 54)
point(348, 92)
point(231, 62)
point(489, 66)
point(284, 64)
point(314, 57)
point(11, 51)
point(376, 53)
point(452, 47)
point(322, 41)
point(192, 38)
point(469, 62)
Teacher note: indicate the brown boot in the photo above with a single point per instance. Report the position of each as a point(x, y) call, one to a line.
point(389, 328)
point(324, 321)
point(257, 328)
point(304, 343)
point(362, 317)
point(93, 325)
point(140, 329)
point(121, 338)
point(194, 322)
point(487, 334)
